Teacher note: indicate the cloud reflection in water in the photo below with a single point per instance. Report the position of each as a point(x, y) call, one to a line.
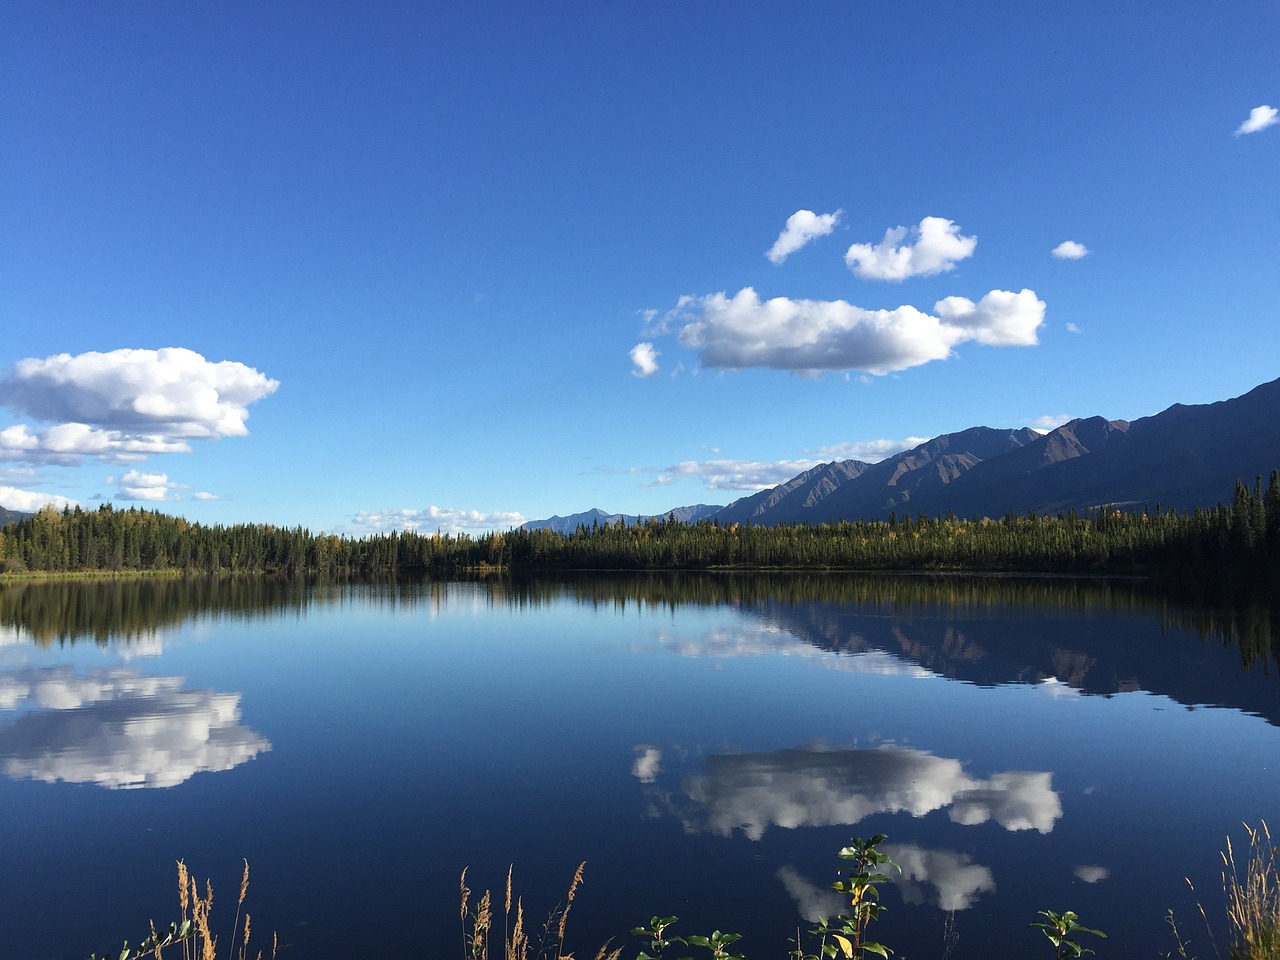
point(817, 787)
point(118, 728)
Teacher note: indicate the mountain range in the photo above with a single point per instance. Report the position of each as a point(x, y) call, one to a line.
point(1183, 457)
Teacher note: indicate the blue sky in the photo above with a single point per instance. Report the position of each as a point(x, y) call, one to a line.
point(457, 265)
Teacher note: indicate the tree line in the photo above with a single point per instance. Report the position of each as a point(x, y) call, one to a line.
point(1239, 538)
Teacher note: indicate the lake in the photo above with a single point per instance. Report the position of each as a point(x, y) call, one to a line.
point(704, 743)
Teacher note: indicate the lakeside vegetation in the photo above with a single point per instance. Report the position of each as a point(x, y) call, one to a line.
point(1236, 539)
point(1250, 888)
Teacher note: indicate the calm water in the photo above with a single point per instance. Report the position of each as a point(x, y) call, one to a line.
point(705, 744)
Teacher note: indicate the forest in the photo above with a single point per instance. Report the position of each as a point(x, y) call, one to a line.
point(1240, 538)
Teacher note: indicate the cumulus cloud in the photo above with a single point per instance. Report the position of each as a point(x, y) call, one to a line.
point(1069, 250)
point(803, 226)
point(29, 501)
point(944, 878)
point(119, 729)
point(798, 788)
point(937, 246)
point(810, 336)
point(172, 393)
point(645, 360)
point(67, 444)
point(1259, 119)
point(146, 486)
point(444, 519)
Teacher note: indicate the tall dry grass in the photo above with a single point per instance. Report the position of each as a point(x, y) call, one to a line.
point(515, 942)
point(1253, 897)
point(192, 931)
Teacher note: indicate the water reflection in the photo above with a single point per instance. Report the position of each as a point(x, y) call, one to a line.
point(816, 787)
point(947, 879)
point(118, 728)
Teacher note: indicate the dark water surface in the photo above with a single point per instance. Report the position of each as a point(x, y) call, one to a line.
point(705, 743)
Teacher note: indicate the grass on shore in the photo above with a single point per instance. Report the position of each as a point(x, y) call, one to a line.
point(1250, 886)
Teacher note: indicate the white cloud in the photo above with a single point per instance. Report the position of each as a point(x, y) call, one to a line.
point(814, 788)
point(1070, 250)
point(444, 519)
point(1072, 328)
point(119, 729)
point(146, 486)
point(809, 336)
point(645, 359)
point(29, 501)
point(172, 393)
point(938, 245)
point(802, 227)
point(205, 495)
point(67, 444)
point(1259, 119)
point(868, 451)
point(1050, 422)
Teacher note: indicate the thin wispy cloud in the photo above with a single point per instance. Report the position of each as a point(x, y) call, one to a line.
point(1070, 250)
point(802, 228)
point(1259, 119)
point(811, 336)
point(936, 247)
point(1050, 422)
point(732, 475)
point(868, 451)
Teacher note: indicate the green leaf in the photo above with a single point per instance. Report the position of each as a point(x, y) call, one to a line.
point(877, 948)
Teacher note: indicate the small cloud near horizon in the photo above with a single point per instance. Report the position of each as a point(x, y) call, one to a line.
point(433, 518)
point(868, 451)
point(802, 228)
point(1070, 250)
point(729, 475)
point(156, 486)
point(1050, 422)
point(1259, 119)
point(30, 501)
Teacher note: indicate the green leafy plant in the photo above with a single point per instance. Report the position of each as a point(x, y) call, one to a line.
point(1060, 929)
point(717, 944)
point(846, 935)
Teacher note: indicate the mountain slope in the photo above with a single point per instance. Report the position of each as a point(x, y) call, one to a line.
point(1183, 457)
point(787, 502)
